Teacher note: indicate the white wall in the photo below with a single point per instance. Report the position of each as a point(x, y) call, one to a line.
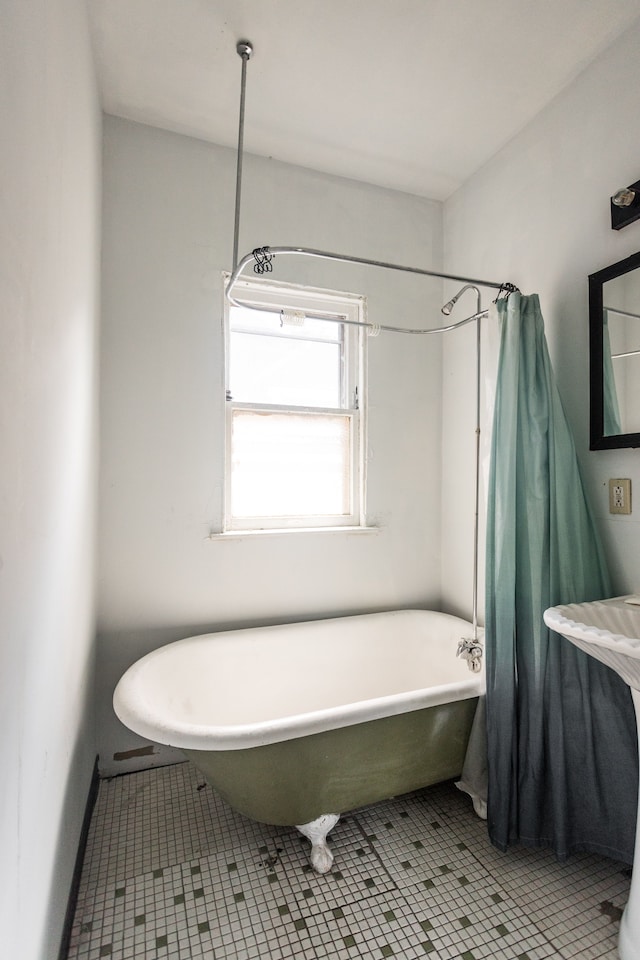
point(49, 210)
point(168, 222)
point(538, 215)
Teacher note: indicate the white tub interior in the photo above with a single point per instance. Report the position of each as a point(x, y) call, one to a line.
point(245, 688)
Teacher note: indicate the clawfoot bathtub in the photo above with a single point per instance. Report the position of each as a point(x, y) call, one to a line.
point(295, 724)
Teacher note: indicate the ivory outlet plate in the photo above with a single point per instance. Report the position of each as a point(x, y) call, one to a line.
point(620, 496)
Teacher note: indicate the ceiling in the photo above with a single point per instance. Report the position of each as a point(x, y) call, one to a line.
point(410, 94)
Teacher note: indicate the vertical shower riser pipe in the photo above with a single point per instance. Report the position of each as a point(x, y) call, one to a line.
point(477, 481)
point(245, 49)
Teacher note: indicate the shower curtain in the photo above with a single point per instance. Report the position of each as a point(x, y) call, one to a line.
point(611, 411)
point(561, 732)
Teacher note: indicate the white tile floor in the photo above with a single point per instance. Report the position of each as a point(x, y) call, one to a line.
point(172, 872)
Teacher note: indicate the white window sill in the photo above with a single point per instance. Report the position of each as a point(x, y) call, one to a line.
point(288, 531)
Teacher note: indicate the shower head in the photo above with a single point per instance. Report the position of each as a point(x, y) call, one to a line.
point(450, 304)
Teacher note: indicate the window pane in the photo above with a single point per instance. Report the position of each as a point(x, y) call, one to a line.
point(285, 371)
point(286, 465)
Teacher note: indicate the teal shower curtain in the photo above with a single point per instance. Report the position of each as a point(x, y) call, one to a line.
point(611, 411)
point(561, 732)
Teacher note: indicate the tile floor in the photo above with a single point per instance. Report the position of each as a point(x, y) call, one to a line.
point(172, 872)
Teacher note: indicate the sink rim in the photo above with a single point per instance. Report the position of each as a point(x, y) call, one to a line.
point(559, 618)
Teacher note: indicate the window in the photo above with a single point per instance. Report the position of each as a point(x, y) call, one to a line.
point(294, 410)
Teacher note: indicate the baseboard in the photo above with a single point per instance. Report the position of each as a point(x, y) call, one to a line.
point(77, 870)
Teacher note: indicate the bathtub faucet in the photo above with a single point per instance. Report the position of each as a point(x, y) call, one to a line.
point(471, 651)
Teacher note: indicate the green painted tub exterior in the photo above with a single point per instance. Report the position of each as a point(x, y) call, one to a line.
point(295, 781)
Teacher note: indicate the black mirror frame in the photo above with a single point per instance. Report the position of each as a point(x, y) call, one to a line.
point(598, 439)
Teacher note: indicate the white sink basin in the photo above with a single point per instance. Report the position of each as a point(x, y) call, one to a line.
point(609, 630)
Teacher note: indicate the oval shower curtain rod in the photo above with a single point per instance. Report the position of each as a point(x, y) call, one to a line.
point(262, 263)
point(263, 255)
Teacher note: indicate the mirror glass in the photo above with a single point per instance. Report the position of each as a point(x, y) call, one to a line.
point(614, 307)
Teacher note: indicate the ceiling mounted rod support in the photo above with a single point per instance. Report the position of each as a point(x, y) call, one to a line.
point(244, 49)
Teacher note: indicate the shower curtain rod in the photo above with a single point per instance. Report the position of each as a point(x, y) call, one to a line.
point(263, 255)
point(262, 260)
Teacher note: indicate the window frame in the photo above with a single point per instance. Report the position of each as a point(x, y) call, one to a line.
point(276, 296)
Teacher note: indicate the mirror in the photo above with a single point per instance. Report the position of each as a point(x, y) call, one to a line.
point(614, 331)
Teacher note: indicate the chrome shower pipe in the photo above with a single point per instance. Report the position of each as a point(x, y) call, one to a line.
point(244, 49)
point(479, 314)
point(476, 515)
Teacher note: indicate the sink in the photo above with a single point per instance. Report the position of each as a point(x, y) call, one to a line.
point(609, 630)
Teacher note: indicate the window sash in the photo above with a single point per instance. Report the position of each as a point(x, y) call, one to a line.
point(303, 473)
point(293, 372)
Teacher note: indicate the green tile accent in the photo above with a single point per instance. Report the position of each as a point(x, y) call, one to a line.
point(300, 925)
point(443, 868)
point(338, 912)
point(496, 898)
point(120, 892)
point(386, 950)
point(86, 927)
point(179, 898)
point(283, 910)
point(429, 884)
point(139, 920)
point(467, 955)
point(308, 894)
point(231, 867)
point(369, 882)
point(426, 925)
point(427, 946)
point(337, 874)
point(361, 852)
point(105, 950)
point(523, 956)
point(462, 846)
point(273, 878)
point(263, 849)
point(371, 836)
point(197, 894)
point(403, 813)
point(389, 825)
point(406, 865)
point(203, 927)
point(158, 873)
point(464, 921)
point(463, 880)
point(349, 941)
point(435, 824)
point(238, 897)
point(195, 870)
point(161, 941)
point(389, 915)
point(502, 930)
point(418, 844)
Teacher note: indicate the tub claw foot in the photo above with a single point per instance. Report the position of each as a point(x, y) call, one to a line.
point(321, 857)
